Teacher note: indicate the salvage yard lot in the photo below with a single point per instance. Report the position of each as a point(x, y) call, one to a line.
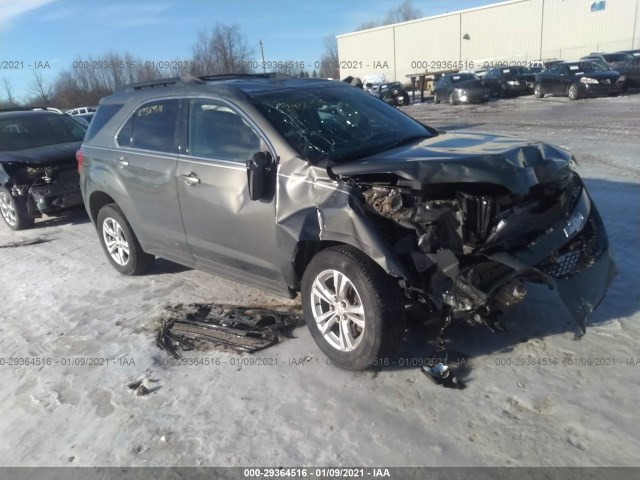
point(90, 332)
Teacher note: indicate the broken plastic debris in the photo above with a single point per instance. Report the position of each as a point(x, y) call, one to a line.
point(243, 329)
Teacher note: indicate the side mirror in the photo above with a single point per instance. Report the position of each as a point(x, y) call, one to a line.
point(256, 174)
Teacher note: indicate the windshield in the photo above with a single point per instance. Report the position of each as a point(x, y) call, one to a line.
point(587, 66)
point(462, 78)
point(30, 131)
point(617, 57)
point(337, 123)
point(518, 70)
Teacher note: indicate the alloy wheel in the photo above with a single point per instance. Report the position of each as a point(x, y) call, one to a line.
point(337, 310)
point(115, 241)
point(6, 207)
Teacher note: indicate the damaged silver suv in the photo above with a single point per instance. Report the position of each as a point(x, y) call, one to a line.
point(315, 187)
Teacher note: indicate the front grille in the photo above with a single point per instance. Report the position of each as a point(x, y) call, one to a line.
point(579, 253)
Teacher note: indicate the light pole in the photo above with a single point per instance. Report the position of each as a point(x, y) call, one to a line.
point(264, 67)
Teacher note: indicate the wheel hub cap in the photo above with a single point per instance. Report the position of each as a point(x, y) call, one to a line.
point(115, 240)
point(337, 310)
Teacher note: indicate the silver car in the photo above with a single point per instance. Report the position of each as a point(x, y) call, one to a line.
point(315, 187)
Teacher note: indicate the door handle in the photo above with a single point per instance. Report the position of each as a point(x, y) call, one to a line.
point(122, 162)
point(190, 178)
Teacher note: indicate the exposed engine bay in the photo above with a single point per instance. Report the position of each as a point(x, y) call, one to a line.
point(472, 247)
point(44, 189)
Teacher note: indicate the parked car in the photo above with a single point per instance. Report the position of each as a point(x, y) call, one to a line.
point(80, 110)
point(630, 73)
point(460, 88)
point(635, 53)
point(315, 187)
point(393, 93)
point(509, 81)
point(38, 173)
point(86, 117)
point(612, 60)
point(578, 79)
point(537, 66)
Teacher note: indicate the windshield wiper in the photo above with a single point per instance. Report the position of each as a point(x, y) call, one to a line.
point(405, 141)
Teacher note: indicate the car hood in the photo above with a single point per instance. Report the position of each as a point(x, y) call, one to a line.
point(514, 163)
point(48, 155)
point(610, 74)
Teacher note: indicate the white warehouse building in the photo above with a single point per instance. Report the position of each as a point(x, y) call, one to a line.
point(512, 33)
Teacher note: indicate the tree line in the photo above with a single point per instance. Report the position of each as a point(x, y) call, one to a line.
point(222, 49)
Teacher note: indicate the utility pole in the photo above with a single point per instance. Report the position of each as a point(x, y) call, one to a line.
point(264, 66)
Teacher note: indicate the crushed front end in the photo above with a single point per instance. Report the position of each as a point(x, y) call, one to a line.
point(43, 189)
point(474, 228)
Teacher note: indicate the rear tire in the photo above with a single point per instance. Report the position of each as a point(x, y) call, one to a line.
point(436, 98)
point(120, 243)
point(11, 213)
point(538, 91)
point(452, 100)
point(353, 309)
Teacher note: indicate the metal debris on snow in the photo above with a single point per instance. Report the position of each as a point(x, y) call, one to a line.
point(242, 329)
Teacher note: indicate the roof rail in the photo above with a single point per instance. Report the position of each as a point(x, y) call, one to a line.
point(165, 82)
point(29, 109)
point(154, 83)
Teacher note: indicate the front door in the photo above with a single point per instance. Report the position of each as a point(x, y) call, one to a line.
point(227, 232)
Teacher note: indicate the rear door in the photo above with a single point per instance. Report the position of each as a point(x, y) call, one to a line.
point(227, 232)
point(145, 164)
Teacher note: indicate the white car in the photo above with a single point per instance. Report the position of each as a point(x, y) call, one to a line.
point(80, 110)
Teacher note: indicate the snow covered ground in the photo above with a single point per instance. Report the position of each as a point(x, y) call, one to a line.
point(63, 304)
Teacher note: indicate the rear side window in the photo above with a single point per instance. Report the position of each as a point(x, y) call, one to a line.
point(102, 116)
point(154, 126)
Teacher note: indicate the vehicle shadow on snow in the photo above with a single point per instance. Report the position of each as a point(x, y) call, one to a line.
point(73, 216)
point(163, 267)
point(542, 314)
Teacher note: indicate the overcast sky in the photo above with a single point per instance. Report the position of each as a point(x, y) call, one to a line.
point(57, 31)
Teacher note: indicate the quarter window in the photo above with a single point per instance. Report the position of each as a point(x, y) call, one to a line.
point(217, 131)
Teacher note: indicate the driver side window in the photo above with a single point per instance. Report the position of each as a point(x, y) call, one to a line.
point(218, 132)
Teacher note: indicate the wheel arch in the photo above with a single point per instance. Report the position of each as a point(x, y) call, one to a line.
point(97, 200)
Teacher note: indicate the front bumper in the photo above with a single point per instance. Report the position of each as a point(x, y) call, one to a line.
point(517, 89)
point(594, 90)
point(474, 96)
point(53, 197)
point(578, 262)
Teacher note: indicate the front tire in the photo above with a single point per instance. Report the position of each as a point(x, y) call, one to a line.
point(436, 98)
point(538, 91)
point(11, 213)
point(574, 94)
point(352, 308)
point(120, 243)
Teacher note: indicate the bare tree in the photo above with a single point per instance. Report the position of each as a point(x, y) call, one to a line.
point(368, 25)
point(402, 13)
point(202, 55)
point(40, 89)
point(230, 48)
point(10, 100)
point(222, 50)
point(329, 64)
